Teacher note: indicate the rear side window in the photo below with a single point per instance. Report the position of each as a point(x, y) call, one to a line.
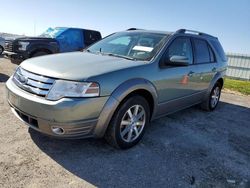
point(202, 53)
point(91, 36)
point(216, 44)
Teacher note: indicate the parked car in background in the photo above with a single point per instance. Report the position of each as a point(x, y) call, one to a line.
point(2, 43)
point(54, 40)
point(117, 85)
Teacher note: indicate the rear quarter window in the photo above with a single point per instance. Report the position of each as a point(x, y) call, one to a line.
point(217, 46)
point(91, 36)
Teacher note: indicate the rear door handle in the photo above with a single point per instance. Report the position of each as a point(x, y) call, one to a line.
point(190, 73)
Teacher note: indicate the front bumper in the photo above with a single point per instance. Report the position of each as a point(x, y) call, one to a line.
point(78, 117)
point(14, 55)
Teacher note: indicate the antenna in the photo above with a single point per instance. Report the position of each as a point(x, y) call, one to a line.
point(34, 27)
point(133, 29)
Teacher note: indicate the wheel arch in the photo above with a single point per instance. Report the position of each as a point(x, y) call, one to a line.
point(219, 77)
point(220, 81)
point(40, 50)
point(125, 90)
point(145, 94)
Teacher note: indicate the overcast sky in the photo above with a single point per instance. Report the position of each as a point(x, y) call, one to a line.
point(229, 20)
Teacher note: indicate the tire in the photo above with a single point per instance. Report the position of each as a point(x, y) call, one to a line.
point(212, 101)
point(16, 61)
point(37, 54)
point(128, 123)
point(1, 50)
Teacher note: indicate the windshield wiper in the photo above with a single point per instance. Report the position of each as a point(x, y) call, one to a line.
point(110, 54)
point(121, 56)
point(91, 52)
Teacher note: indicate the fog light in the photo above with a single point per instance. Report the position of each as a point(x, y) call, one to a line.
point(57, 130)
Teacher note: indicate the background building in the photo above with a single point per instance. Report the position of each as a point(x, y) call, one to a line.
point(238, 66)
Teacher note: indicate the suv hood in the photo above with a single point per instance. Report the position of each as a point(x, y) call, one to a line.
point(76, 65)
point(31, 39)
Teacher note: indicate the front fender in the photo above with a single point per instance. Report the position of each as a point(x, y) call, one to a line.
point(116, 98)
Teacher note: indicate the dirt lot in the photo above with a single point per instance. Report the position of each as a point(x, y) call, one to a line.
point(191, 148)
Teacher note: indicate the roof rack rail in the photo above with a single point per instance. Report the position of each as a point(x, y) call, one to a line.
point(193, 32)
point(132, 29)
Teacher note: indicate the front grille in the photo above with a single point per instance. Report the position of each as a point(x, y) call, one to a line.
point(33, 83)
point(8, 45)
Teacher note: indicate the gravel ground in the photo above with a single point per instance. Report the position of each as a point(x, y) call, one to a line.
point(191, 148)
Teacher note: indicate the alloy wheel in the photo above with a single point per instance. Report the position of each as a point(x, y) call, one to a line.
point(215, 97)
point(132, 123)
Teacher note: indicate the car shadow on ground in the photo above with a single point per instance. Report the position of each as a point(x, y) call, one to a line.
point(182, 149)
point(3, 77)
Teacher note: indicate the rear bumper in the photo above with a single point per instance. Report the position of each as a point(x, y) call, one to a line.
point(77, 117)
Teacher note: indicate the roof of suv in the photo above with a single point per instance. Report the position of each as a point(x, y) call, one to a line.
point(149, 31)
point(180, 31)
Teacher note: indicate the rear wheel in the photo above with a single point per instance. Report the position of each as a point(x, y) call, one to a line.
point(128, 123)
point(211, 103)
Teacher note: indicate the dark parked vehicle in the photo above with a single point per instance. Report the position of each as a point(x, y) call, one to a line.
point(1, 45)
point(117, 85)
point(57, 40)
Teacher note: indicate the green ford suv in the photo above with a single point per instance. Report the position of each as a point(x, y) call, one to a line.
point(116, 86)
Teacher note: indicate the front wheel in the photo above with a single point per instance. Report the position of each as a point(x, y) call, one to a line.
point(1, 50)
point(128, 124)
point(211, 103)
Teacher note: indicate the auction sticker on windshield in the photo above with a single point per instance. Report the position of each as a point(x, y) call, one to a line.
point(143, 48)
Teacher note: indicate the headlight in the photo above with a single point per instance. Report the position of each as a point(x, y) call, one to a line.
point(63, 88)
point(23, 45)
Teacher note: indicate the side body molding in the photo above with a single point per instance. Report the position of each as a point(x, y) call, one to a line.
point(117, 96)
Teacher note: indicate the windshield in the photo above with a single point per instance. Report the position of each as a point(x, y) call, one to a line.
point(130, 45)
point(53, 32)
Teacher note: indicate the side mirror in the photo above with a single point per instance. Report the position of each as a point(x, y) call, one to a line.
point(177, 60)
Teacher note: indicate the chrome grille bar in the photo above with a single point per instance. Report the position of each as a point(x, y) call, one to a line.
point(39, 85)
point(36, 77)
point(9, 45)
point(33, 83)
